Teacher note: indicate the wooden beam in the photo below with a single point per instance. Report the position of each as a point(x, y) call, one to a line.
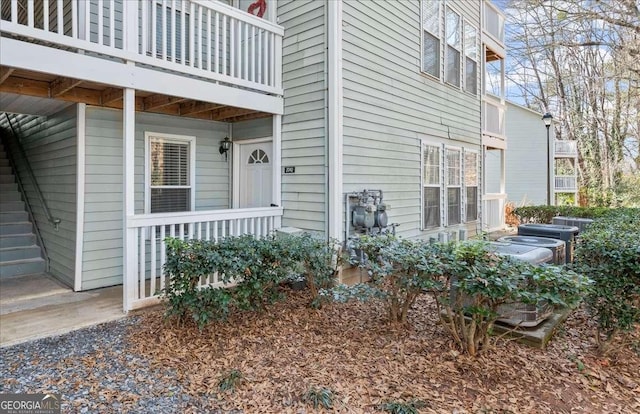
point(231, 112)
point(41, 89)
point(255, 115)
point(5, 72)
point(111, 95)
point(158, 101)
point(61, 85)
point(195, 107)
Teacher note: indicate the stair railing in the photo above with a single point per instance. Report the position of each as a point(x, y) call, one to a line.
point(14, 166)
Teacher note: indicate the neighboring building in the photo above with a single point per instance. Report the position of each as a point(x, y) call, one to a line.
point(527, 163)
point(146, 119)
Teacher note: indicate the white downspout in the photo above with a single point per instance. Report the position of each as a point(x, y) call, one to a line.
point(335, 121)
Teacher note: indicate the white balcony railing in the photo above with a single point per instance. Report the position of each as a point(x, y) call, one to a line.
point(566, 149)
point(493, 122)
point(493, 212)
point(144, 282)
point(566, 183)
point(201, 38)
point(494, 22)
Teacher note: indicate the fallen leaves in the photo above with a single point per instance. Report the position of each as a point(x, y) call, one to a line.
point(350, 350)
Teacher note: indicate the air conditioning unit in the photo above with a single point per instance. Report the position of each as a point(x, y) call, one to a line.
point(580, 223)
point(558, 247)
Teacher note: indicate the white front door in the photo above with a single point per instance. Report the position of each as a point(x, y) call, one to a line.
point(256, 174)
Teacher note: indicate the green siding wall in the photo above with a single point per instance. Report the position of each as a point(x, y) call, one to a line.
point(102, 246)
point(390, 106)
point(303, 123)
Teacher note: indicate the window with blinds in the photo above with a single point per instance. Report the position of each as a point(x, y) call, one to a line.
point(170, 175)
point(471, 59)
point(454, 46)
point(431, 186)
point(471, 185)
point(454, 186)
point(431, 37)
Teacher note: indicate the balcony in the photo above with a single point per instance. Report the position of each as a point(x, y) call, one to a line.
point(195, 38)
point(566, 183)
point(493, 121)
point(493, 31)
point(565, 149)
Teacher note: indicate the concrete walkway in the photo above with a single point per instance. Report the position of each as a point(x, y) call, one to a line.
point(37, 306)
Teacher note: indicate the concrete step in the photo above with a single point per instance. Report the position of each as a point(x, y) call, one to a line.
point(13, 217)
point(15, 228)
point(6, 187)
point(17, 240)
point(7, 178)
point(9, 206)
point(4, 162)
point(22, 267)
point(20, 253)
point(5, 170)
point(11, 195)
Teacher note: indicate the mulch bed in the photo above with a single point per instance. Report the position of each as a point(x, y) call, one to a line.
point(350, 349)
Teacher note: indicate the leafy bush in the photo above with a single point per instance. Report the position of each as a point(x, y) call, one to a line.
point(609, 253)
point(544, 214)
point(256, 266)
point(318, 260)
point(477, 283)
point(401, 270)
point(319, 397)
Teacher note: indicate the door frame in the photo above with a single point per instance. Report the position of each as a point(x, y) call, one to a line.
point(235, 196)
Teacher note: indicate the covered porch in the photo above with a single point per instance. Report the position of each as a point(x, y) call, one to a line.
point(167, 97)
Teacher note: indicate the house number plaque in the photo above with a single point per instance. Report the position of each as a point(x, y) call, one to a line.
point(289, 170)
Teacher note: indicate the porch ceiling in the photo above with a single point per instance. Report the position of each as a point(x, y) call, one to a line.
point(23, 82)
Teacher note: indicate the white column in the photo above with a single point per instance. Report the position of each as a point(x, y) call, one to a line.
point(80, 181)
point(335, 124)
point(277, 164)
point(129, 251)
point(130, 16)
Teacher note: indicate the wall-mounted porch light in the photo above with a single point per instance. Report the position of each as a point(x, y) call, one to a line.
point(224, 147)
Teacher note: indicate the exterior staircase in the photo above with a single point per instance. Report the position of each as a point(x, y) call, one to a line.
point(19, 252)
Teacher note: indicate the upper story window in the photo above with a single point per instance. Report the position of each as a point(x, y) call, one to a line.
point(471, 59)
point(431, 37)
point(170, 173)
point(454, 47)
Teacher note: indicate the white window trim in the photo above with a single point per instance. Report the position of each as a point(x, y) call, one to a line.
point(423, 146)
point(445, 44)
point(464, 204)
point(439, 35)
point(446, 186)
point(180, 139)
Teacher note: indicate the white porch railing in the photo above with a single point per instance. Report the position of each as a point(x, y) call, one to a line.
point(494, 21)
point(493, 212)
point(200, 38)
point(493, 118)
point(566, 148)
point(143, 283)
point(566, 183)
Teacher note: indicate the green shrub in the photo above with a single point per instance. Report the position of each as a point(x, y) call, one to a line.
point(256, 266)
point(544, 214)
point(609, 253)
point(319, 397)
point(477, 283)
point(400, 270)
point(317, 259)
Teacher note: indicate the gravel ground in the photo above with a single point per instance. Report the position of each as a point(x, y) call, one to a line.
point(92, 371)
